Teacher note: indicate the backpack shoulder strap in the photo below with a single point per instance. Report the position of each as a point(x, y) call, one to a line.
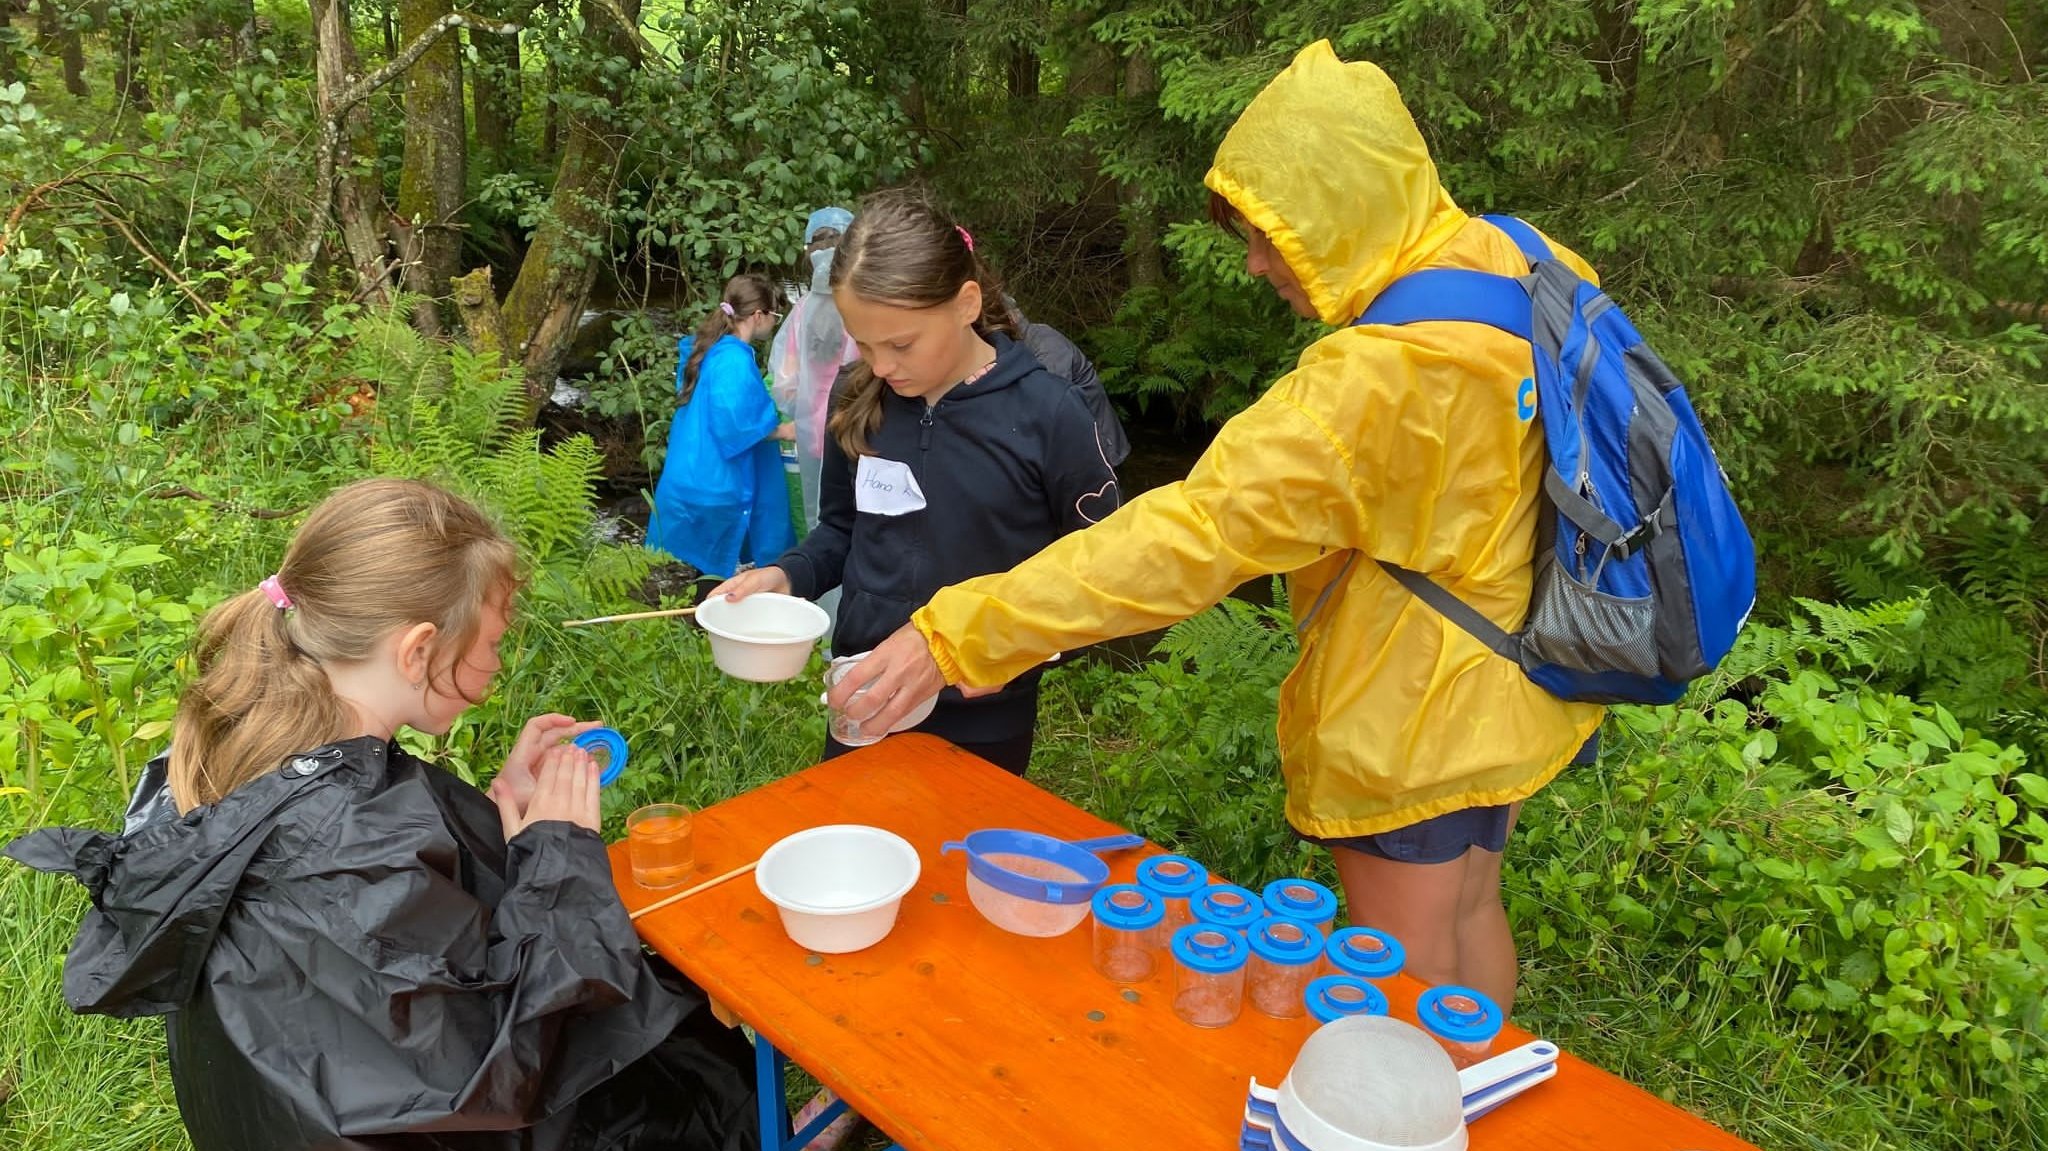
point(1528, 239)
point(1454, 294)
point(1447, 604)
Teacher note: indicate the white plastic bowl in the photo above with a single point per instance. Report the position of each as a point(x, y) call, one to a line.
point(764, 638)
point(838, 887)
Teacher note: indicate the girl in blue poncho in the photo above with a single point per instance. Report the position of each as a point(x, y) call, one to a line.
point(722, 499)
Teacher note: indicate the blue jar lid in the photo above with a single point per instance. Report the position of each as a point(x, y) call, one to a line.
point(1366, 953)
point(1302, 899)
point(1173, 876)
point(1209, 949)
point(1228, 905)
point(1458, 1014)
point(608, 747)
point(1336, 996)
point(1128, 907)
point(1287, 942)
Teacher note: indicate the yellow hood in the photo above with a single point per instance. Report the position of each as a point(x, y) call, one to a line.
point(1327, 162)
point(1411, 445)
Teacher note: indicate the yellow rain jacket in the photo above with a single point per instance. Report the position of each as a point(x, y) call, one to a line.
point(1402, 444)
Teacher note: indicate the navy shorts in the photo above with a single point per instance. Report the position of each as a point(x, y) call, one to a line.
point(1448, 836)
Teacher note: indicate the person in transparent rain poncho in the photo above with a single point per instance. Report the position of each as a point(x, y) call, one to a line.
point(807, 353)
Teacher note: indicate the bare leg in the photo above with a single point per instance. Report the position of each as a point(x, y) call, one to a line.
point(1448, 916)
point(1417, 903)
point(1486, 945)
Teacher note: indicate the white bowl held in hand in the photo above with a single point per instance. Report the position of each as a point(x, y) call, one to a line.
point(838, 887)
point(764, 638)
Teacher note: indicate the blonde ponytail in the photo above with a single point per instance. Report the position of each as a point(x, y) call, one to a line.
point(374, 557)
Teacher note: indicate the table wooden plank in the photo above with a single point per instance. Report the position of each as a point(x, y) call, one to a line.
point(952, 1035)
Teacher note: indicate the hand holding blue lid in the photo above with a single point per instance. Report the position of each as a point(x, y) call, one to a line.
point(515, 781)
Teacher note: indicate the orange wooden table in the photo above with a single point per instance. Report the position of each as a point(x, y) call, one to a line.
point(951, 1035)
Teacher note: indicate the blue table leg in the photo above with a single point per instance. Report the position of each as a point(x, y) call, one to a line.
point(769, 1069)
point(774, 1108)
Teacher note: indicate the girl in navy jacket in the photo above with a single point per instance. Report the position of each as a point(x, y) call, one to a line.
point(952, 453)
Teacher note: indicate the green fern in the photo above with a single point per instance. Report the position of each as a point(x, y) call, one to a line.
point(546, 498)
point(1237, 641)
point(613, 573)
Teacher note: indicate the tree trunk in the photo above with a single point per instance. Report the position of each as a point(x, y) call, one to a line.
point(359, 197)
point(245, 54)
point(10, 41)
point(541, 310)
point(55, 33)
point(495, 93)
point(476, 303)
point(129, 88)
point(386, 15)
point(431, 181)
point(551, 122)
point(1022, 66)
point(1621, 51)
point(1141, 215)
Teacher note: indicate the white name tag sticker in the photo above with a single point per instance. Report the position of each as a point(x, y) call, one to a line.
point(886, 488)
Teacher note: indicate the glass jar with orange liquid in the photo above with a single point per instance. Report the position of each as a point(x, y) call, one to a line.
point(661, 844)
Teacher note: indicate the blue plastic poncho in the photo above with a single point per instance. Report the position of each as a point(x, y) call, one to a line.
point(722, 498)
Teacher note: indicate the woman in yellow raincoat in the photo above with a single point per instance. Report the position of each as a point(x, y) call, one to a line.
point(1406, 743)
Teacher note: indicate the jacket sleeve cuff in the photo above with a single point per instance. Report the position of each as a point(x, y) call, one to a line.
point(942, 654)
point(803, 576)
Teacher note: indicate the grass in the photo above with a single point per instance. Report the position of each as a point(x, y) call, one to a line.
point(68, 1081)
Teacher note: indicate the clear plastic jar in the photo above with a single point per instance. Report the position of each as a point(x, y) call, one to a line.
point(1228, 905)
point(1302, 900)
point(1284, 957)
point(1465, 1021)
point(1208, 980)
point(1127, 932)
point(1336, 996)
point(1364, 953)
point(1174, 879)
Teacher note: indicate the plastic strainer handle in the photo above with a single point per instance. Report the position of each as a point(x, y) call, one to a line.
point(1109, 843)
point(1487, 1085)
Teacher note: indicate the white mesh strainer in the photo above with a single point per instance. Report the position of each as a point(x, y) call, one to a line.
point(1371, 1083)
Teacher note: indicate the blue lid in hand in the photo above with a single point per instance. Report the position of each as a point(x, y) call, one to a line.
point(608, 747)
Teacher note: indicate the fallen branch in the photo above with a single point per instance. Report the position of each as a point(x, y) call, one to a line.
point(1624, 190)
point(185, 493)
point(155, 260)
point(41, 192)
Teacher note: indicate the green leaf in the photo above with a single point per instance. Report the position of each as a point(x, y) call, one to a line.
point(1778, 869)
point(1898, 823)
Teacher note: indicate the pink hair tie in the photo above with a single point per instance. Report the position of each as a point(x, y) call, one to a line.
point(271, 588)
point(726, 308)
point(966, 237)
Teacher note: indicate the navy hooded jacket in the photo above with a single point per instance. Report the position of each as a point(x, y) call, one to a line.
point(996, 470)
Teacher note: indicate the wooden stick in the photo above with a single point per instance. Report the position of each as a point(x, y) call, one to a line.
point(658, 904)
point(674, 611)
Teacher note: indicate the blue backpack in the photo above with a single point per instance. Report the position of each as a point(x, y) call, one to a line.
point(1644, 570)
